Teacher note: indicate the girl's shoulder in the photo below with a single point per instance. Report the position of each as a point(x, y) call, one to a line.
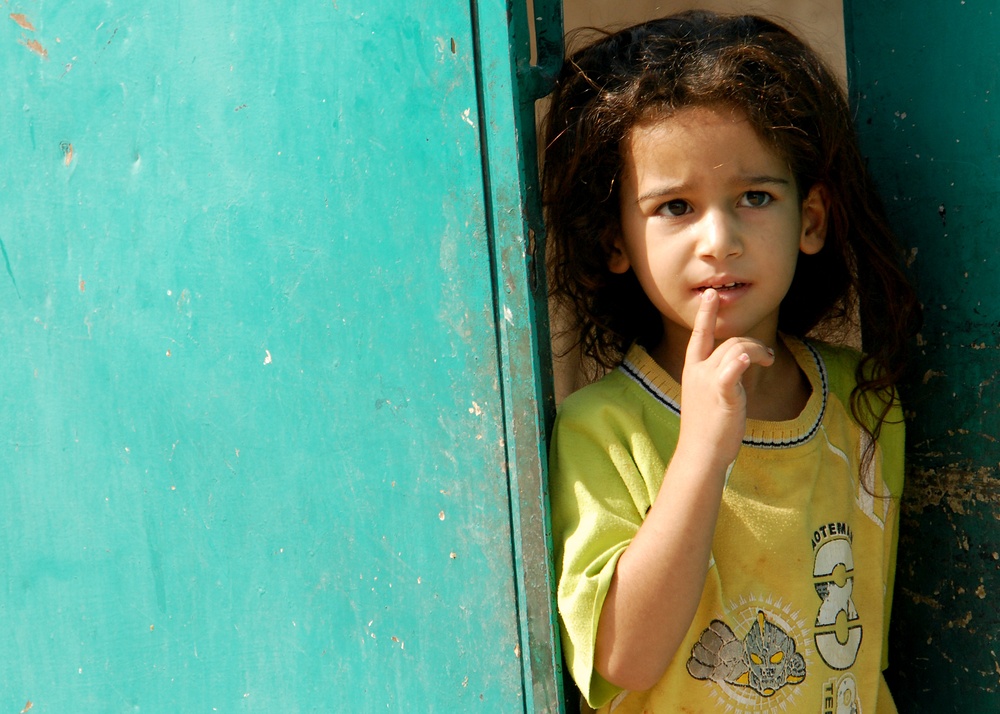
point(840, 364)
point(609, 391)
point(637, 386)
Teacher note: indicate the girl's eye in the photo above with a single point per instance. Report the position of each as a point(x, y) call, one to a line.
point(756, 199)
point(677, 207)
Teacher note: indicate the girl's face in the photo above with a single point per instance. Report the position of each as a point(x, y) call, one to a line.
point(705, 203)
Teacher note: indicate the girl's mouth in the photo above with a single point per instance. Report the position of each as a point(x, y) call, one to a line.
point(721, 288)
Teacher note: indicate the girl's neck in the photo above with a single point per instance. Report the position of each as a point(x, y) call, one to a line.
point(775, 393)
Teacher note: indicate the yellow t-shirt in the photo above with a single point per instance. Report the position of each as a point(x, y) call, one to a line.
point(795, 609)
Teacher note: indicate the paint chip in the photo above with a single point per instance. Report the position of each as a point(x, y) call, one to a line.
point(267, 357)
point(24, 22)
point(36, 47)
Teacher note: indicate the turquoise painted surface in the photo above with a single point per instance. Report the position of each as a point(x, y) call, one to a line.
point(927, 82)
point(511, 174)
point(254, 424)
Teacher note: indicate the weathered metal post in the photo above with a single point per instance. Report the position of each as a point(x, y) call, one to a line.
point(925, 83)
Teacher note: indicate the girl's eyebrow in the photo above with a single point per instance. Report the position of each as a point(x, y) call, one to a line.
point(680, 188)
point(664, 190)
point(766, 180)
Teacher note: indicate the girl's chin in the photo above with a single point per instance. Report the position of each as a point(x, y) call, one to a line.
point(725, 329)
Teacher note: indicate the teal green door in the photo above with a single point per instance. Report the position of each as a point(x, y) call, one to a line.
point(271, 433)
point(926, 78)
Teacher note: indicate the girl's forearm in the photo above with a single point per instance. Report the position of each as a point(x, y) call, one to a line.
point(659, 579)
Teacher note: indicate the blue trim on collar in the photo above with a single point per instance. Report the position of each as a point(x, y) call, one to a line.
point(637, 376)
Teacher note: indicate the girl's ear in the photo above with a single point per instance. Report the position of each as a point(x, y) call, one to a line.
point(815, 214)
point(618, 261)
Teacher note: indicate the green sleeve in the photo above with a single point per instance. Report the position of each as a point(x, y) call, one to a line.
point(892, 442)
point(599, 499)
point(841, 364)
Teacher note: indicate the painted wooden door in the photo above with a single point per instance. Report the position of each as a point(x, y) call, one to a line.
point(271, 398)
point(926, 78)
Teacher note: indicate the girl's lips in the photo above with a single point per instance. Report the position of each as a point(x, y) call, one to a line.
point(729, 293)
point(722, 287)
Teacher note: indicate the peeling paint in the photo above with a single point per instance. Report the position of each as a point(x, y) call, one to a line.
point(922, 599)
point(36, 47)
point(23, 21)
point(956, 487)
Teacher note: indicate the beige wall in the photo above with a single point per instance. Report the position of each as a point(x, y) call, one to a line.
point(820, 22)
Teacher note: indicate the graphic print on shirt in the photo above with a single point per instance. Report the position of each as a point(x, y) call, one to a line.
point(840, 696)
point(765, 660)
point(838, 626)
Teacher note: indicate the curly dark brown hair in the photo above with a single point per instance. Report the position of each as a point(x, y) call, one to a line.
point(796, 105)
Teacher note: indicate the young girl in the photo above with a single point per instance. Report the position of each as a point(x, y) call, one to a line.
point(725, 500)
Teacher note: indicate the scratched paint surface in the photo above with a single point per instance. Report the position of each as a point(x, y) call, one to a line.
point(252, 451)
point(928, 81)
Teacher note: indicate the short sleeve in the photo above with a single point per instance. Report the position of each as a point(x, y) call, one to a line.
point(842, 364)
point(599, 499)
point(892, 442)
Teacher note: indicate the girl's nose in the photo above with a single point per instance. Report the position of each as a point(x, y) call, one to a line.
point(719, 236)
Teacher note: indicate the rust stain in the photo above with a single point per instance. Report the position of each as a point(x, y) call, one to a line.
point(23, 21)
point(922, 599)
point(931, 374)
point(67, 153)
point(961, 622)
point(27, 706)
point(953, 486)
point(36, 47)
point(83, 285)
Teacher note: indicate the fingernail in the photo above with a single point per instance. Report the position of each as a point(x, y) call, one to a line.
point(770, 351)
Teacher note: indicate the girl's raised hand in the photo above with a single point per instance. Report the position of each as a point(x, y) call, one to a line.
point(713, 401)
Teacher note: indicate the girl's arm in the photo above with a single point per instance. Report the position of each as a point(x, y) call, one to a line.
point(659, 579)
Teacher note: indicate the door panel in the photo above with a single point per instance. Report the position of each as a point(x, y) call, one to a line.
point(255, 453)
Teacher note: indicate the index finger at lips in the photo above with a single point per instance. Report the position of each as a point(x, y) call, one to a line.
point(702, 340)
